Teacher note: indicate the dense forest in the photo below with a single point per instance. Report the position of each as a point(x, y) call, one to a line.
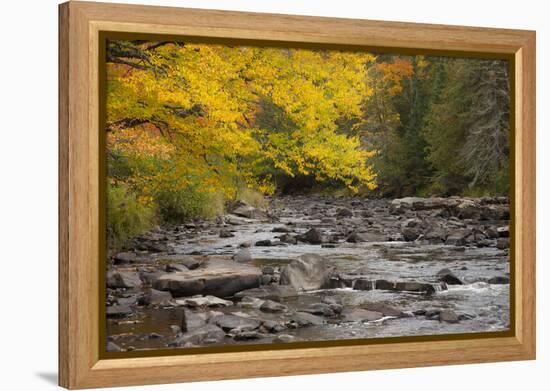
point(192, 128)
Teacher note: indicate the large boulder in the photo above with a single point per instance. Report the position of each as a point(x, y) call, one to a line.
point(216, 277)
point(242, 209)
point(308, 272)
point(312, 236)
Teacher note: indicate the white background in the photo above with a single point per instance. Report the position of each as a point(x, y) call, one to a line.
point(28, 194)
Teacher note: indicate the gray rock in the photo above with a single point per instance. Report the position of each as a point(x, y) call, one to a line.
point(322, 309)
point(230, 322)
point(344, 212)
point(362, 284)
point(281, 229)
point(244, 210)
point(308, 272)
point(303, 319)
point(313, 236)
point(386, 310)
point(499, 280)
point(273, 326)
point(285, 338)
point(156, 297)
point(448, 316)
point(412, 286)
point(191, 320)
point(503, 232)
point(119, 279)
point(118, 311)
point(204, 301)
point(458, 237)
point(174, 267)
point(249, 335)
point(271, 292)
point(272, 306)
point(250, 302)
point(491, 232)
point(191, 262)
point(268, 270)
point(289, 239)
point(360, 315)
point(384, 285)
point(126, 257)
point(209, 334)
point(243, 256)
point(150, 277)
point(356, 237)
point(264, 243)
point(224, 233)
point(411, 233)
point(217, 278)
point(448, 277)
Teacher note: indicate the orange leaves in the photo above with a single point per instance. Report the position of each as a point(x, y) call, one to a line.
point(393, 72)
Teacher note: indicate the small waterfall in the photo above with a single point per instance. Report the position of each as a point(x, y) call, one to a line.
point(440, 286)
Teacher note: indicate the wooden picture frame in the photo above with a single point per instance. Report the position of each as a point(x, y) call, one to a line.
point(80, 361)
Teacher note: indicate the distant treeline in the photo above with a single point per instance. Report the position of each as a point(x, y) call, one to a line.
point(193, 127)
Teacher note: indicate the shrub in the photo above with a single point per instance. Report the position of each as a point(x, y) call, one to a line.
point(178, 205)
point(251, 197)
point(127, 216)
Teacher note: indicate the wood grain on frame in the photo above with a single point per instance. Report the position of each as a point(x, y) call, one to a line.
point(80, 24)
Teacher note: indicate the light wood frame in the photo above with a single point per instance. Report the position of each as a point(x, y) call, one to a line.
point(80, 365)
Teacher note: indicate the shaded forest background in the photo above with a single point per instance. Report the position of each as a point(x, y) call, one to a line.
point(193, 128)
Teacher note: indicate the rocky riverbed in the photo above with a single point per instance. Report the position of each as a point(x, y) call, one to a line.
point(314, 268)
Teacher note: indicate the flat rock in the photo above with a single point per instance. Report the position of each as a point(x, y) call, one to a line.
point(272, 306)
point(250, 302)
point(386, 310)
point(271, 292)
point(229, 322)
point(118, 311)
point(216, 277)
point(303, 319)
point(204, 301)
point(360, 315)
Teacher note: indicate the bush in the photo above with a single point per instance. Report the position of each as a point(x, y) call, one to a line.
point(176, 206)
point(252, 197)
point(127, 217)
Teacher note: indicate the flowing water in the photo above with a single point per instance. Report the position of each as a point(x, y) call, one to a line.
point(482, 307)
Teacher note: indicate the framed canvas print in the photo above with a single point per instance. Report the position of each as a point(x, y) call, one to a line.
point(247, 195)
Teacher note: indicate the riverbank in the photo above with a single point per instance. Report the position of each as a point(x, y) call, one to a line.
point(314, 268)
